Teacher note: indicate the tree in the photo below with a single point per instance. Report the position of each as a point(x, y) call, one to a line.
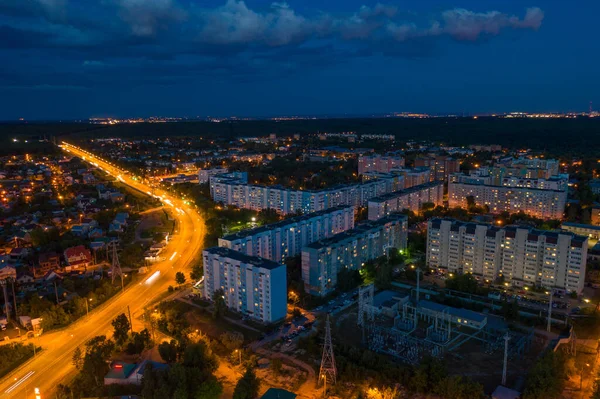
point(196, 273)
point(232, 340)
point(121, 328)
point(209, 389)
point(200, 356)
point(547, 377)
point(297, 313)
point(139, 342)
point(276, 365)
point(78, 358)
point(168, 351)
point(248, 386)
point(220, 305)
point(180, 278)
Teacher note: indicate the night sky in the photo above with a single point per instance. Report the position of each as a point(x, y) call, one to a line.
point(63, 59)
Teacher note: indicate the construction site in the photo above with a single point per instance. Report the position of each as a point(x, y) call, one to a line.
point(473, 344)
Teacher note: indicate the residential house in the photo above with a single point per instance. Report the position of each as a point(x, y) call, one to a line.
point(47, 262)
point(77, 258)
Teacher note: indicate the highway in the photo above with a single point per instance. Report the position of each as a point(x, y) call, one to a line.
point(54, 365)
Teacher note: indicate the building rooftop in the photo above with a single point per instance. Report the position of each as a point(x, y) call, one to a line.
point(242, 257)
point(283, 223)
point(358, 230)
point(582, 226)
point(458, 312)
point(277, 393)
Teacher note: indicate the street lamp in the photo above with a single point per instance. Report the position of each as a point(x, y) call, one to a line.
point(87, 308)
point(239, 352)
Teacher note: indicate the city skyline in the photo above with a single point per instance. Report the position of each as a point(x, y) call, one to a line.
point(297, 58)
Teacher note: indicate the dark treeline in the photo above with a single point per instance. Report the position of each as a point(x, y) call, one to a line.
point(564, 136)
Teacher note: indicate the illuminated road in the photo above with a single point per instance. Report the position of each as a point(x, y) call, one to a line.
point(54, 364)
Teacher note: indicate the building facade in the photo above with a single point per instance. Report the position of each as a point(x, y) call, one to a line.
point(543, 203)
point(205, 174)
point(324, 259)
point(379, 163)
point(441, 166)
point(522, 255)
point(284, 239)
point(411, 198)
point(251, 285)
point(232, 189)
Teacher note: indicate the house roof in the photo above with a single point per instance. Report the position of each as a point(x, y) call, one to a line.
point(120, 370)
point(277, 393)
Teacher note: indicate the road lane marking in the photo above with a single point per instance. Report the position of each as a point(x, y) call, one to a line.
point(18, 383)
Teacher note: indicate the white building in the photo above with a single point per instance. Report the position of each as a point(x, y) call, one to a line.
point(379, 163)
point(541, 198)
point(233, 189)
point(411, 198)
point(251, 285)
point(324, 259)
point(205, 174)
point(524, 256)
point(284, 239)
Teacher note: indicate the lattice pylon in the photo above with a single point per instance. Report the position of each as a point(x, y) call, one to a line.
point(115, 268)
point(328, 371)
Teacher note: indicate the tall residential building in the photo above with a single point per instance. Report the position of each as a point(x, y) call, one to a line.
point(324, 259)
point(415, 176)
point(441, 166)
point(379, 163)
point(205, 174)
point(541, 198)
point(284, 239)
point(524, 256)
point(411, 198)
point(233, 189)
point(251, 285)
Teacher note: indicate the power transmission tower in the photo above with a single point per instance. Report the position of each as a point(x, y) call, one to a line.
point(115, 268)
point(328, 371)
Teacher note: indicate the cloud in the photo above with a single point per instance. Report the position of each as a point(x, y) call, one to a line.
point(463, 24)
point(235, 23)
point(145, 17)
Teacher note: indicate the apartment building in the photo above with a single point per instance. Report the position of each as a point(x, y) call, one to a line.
point(379, 163)
point(251, 285)
point(284, 239)
point(538, 202)
point(233, 189)
point(411, 198)
point(205, 174)
point(415, 176)
point(324, 259)
point(441, 166)
point(524, 256)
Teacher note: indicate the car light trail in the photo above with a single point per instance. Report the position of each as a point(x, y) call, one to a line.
point(18, 383)
point(154, 276)
point(173, 256)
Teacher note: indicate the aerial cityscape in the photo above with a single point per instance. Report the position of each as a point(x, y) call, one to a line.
point(350, 200)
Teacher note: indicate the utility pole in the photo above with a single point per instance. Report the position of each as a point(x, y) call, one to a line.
point(506, 339)
point(12, 283)
point(549, 326)
point(419, 271)
point(56, 292)
point(130, 321)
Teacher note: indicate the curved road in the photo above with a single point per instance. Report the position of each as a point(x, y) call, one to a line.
point(54, 365)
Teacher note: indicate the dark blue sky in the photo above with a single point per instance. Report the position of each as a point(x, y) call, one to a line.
point(65, 59)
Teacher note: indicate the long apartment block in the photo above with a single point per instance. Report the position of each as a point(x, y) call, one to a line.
point(541, 198)
point(411, 198)
point(233, 189)
point(324, 259)
point(251, 285)
point(523, 255)
point(284, 239)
